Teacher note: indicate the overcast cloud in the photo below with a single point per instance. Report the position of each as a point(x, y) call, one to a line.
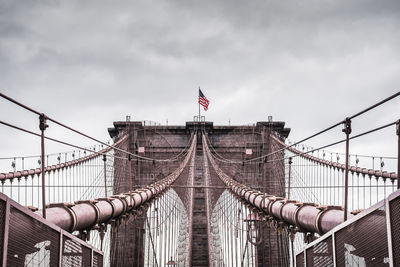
point(89, 63)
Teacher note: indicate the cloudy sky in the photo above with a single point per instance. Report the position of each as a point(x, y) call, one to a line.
point(89, 63)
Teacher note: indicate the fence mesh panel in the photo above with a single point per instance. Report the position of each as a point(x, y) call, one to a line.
point(75, 254)
point(321, 254)
point(97, 260)
point(364, 242)
point(30, 242)
point(300, 260)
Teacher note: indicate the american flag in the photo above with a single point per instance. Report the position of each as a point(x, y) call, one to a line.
point(203, 100)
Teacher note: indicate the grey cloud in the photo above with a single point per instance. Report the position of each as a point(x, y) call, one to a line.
point(306, 62)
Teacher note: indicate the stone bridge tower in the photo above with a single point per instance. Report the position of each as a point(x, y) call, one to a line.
point(233, 142)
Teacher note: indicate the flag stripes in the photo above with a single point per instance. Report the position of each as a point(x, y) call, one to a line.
point(203, 100)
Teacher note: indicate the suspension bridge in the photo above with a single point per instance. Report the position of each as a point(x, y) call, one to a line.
point(200, 195)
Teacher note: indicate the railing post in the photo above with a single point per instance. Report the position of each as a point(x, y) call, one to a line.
point(105, 174)
point(347, 131)
point(398, 153)
point(42, 127)
point(290, 171)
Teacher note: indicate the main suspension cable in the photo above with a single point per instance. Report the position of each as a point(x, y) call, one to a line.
point(331, 127)
point(55, 140)
point(336, 143)
point(79, 132)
